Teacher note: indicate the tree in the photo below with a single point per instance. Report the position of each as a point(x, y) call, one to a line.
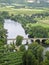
point(5, 14)
point(29, 58)
point(47, 42)
point(37, 31)
point(37, 50)
point(22, 48)
point(46, 60)
point(19, 40)
point(47, 55)
point(3, 36)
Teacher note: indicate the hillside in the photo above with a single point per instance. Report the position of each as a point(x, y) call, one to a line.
point(12, 1)
point(30, 3)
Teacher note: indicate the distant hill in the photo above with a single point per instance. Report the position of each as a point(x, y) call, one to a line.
point(29, 3)
point(12, 1)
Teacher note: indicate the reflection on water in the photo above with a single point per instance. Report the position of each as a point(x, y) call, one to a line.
point(14, 29)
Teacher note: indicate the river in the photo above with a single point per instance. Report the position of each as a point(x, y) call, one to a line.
point(14, 29)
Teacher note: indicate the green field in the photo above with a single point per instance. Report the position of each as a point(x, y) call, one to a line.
point(12, 10)
point(43, 23)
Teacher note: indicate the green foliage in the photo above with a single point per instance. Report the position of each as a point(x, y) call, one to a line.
point(29, 58)
point(37, 32)
point(3, 36)
point(37, 50)
point(47, 55)
point(3, 39)
point(1, 19)
point(22, 48)
point(46, 60)
point(47, 42)
point(19, 40)
point(5, 15)
point(12, 58)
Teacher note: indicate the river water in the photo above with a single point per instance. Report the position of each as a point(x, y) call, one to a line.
point(14, 29)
